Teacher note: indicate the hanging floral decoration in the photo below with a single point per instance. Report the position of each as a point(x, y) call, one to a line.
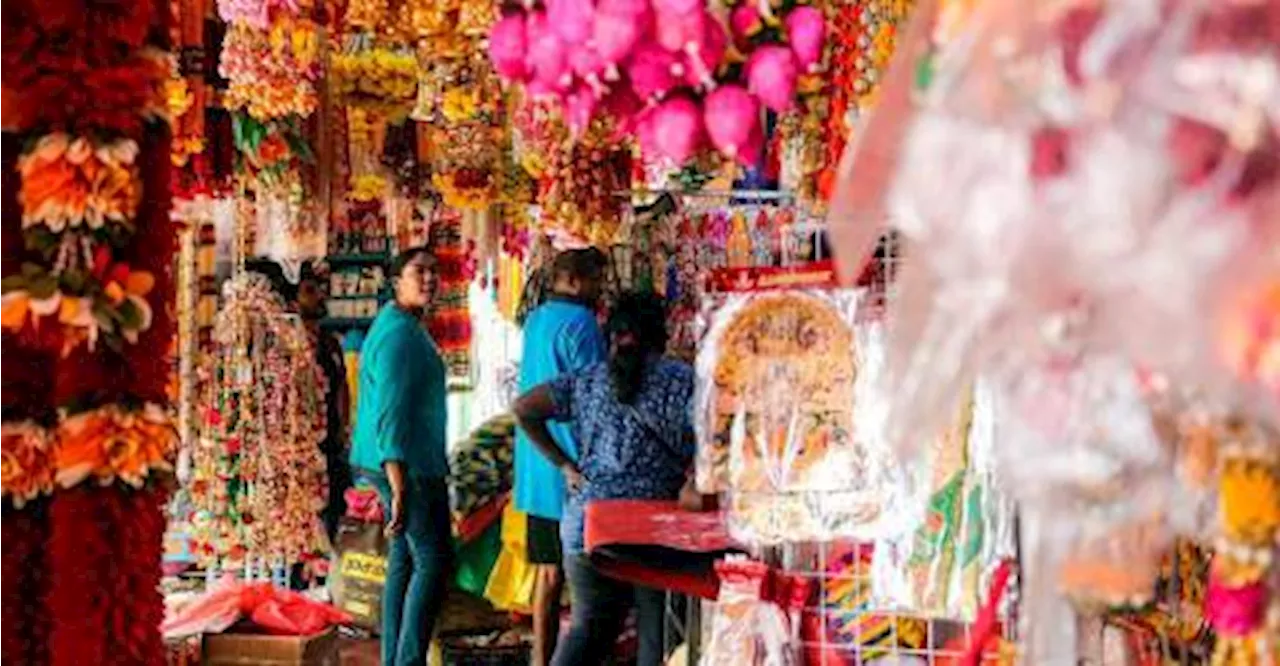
point(88, 250)
point(258, 475)
point(586, 185)
point(272, 73)
point(450, 322)
point(462, 102)
point(381, 81)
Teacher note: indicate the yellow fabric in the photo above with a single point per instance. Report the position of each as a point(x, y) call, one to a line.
point(353, 380)
point(510, 585)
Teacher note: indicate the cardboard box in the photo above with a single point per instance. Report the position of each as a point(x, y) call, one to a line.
point(235, 649)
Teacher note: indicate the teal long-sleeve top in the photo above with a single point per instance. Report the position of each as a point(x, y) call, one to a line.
point(402, 413)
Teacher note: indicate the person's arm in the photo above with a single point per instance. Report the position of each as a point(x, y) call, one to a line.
point(534, 410)
point(391, 365)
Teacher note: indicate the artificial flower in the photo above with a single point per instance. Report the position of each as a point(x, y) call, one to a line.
point(379, 80)
point(26, 471)
point(72, 183)
point(368, 187)
point(272, 75)
point(112, 443)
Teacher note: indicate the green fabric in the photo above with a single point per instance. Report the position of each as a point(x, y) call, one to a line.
point(402, 412)
point(477, 558)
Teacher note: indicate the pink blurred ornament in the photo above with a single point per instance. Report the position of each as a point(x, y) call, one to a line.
point(616, 32)
point(806, 31)
point(580, 107)
point(677, 7)
point(732, 118)
point(632, 8)
point(623, 105)
point(548, 58)
point(589, 67)
point(507, 48)
point(771, 76)
point(654, 71)
point(571, 20)
point(674, 129)
point(703, 56)
point(675, 32)
point(745, 23)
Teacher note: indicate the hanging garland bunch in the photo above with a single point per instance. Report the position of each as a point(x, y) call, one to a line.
point(86, 441)
point(258, 475)
point(380, 80)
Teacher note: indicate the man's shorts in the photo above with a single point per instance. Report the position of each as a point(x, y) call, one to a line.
point(543, 537)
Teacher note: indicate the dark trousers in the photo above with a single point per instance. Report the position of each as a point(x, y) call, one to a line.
point(419, 563)
point(599, 612)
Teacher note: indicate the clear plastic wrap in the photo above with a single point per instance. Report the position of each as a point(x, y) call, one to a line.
point(755, 620)
point(779, 375)
point(1108, 163)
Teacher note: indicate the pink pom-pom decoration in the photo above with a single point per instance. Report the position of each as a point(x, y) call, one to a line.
point(654, 71)
point(589, 66)
point(677, 32)
point(571, 20)
point(745, 22)
point(580, 107)
point(622, 104)
point(677, 7)
point(507, 48)
point(548, 58)
point(733, 119)
point(806, 31)
point(704, 56)
point(771, 76)
point(614, 35)
point(675, 129)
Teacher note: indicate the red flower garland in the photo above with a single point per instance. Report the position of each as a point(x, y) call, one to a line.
point(24, 624)
point(78, 558)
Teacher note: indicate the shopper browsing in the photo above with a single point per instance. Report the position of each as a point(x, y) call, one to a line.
point(631, 419)
point(561, 335)
point(399, 446)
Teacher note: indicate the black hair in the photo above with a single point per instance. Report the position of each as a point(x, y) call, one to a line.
point(583, 264)
point(406, 257)
point(275, 276)
point(642, 319)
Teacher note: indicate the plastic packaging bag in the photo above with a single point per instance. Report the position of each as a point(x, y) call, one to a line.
point(754, 621)
point(779, 376)
point(272, 609)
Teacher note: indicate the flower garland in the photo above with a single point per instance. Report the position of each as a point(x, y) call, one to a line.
point(1239, 601)
point(379, 80)
point(88, 239)
point(272, 73)
point(78, 202)
point(450, 323)
point(580, 192)
point(258, 477)
point(105, 445)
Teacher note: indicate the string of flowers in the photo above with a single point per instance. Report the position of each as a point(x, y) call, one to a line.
point(88, 250)
point(258, 478)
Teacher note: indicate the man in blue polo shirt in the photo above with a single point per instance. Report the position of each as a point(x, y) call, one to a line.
point(561, 335)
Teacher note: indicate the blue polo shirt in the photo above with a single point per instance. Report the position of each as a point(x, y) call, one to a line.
point(401, 413)
point(560, 336)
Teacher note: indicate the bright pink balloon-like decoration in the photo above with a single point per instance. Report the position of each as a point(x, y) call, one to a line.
point(806, 32)
point(675, 129)
point(655, 67)
point(507, 48)
point(732, 117)
point(771, 76)
point(571, 20)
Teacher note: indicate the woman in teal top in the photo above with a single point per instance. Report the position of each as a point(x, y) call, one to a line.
point(399, 446)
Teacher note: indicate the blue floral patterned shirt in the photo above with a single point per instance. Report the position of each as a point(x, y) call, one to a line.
point(639, 451)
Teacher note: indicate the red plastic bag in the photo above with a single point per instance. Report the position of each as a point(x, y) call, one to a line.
point(271, 609)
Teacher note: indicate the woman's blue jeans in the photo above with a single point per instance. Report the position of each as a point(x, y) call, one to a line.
point(419, 564)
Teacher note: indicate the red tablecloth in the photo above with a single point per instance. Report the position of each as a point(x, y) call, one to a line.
point(614, 527)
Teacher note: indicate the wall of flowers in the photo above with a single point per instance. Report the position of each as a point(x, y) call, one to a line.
point(87, 436)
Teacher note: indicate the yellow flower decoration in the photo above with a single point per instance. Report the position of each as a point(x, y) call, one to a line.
point(25, 469)
point(1249, 501)
point(368, 187)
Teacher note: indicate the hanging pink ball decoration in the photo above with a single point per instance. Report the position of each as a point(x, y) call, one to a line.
point(674, 130)
point(806, 33)
point(771, 75)
point(571, 20)
point(507, 48)
point(655, 67)
point(654, 71)
point(732, 116)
